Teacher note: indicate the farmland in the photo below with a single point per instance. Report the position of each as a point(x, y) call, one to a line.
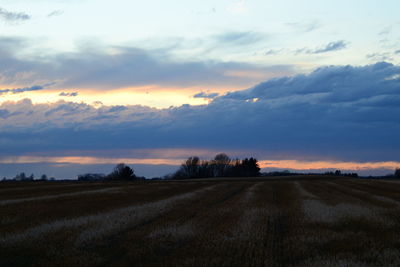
point(302, 221)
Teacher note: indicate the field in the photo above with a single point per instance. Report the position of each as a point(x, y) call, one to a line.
point(303, 221)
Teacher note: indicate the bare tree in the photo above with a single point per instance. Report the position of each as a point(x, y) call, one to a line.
point(191, 167)
point(220, 165)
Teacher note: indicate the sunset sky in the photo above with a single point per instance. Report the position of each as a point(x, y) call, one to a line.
point(303, 85)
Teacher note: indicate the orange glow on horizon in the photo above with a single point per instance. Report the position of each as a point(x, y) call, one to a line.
point(279, 164)
point(317, 165)
point(149, 95)
point(88, 160)
point(145, 96)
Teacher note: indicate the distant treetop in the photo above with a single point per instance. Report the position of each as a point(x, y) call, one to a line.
point(221, 166)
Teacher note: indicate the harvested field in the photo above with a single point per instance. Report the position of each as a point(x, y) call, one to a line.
point(303, 221)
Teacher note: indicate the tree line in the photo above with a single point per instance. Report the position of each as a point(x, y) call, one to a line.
point(220, 166)
point(121, 172)
point(22, 177)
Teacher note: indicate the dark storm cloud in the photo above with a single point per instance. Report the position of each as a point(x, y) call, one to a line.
point(344, 112)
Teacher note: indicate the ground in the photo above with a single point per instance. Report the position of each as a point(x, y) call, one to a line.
point(301, 221)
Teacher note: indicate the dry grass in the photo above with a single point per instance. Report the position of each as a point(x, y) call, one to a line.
point(173, 231)
point(47, 197)
point(317, 211)
point(254, 222)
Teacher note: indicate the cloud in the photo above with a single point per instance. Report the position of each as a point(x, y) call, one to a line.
point(240, 38)
point(206, 95)
point(13, 17)
point(383, 56)
point(107, 68)
point(385, 31)
point(69, 94)
point(55, 13)
point(327, 83)
point(305, 27)
point(343, 113)
point(397, 52)
point(21, 90)
point(273, 52)
point(4, 113)
point(10, 45)
point(332, 46)
point(238, 7)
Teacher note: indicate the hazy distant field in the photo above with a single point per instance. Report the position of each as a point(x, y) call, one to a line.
point(288, 222)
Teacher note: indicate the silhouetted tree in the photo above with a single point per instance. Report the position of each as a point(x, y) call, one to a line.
point(205, 169)
point(191, 167)
point(251, 167)
point(245, 168)
point(220, 165)
point(91, 177)
point(20, 177)
point(236, 169)
point(122, 172)
point(43, 177)
point(397, 173)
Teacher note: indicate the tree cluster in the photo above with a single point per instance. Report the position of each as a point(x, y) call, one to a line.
point(121, 172)
point(91, 177)
point(22, 177)
point(220, 166)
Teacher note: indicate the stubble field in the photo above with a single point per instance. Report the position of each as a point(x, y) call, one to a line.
point(303, 221)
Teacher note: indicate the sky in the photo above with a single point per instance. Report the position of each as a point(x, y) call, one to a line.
point(301, 85)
